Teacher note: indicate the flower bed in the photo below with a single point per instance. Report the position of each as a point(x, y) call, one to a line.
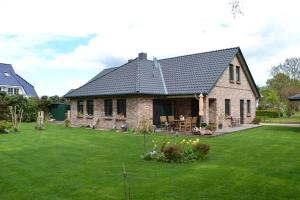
point(178, 151)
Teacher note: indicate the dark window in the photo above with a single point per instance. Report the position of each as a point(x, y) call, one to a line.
point(231, 72)
point(238, 76)
point(121, 107)
point(248, 106)
point(90, 107)
point(16, 91)
point(227, 107)
point(108, 107)
point(80, 106)
point(10, 91)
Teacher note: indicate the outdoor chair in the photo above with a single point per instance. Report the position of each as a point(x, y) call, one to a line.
point(194, 122)
point(171, 122)
point(163, 122)
point(235, 122)
point(185, 125)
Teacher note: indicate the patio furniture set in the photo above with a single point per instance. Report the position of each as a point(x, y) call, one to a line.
point(182, 124)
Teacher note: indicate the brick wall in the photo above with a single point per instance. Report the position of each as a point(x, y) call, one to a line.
point(136, 108)
point(233, 91)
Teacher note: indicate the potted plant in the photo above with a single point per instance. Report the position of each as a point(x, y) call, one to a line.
point(221, 120)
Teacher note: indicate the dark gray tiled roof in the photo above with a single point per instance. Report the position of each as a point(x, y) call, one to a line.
point(295, 97)
point(15, 80)
point(190, 74)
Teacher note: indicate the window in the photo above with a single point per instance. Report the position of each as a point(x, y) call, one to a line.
point(231, 73)
point(80, 107)
point(90, 107)
point(238, 76)
point(10, 91)
point(227, 107)
point(248, 107)
point(121, 107)
point(16, 91)
point(6, 74)
point(108, 107)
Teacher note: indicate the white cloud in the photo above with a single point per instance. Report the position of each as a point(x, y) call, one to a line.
point(267, 33)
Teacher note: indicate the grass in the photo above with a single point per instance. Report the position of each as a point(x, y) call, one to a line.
point(78, 163)
point(288, 120)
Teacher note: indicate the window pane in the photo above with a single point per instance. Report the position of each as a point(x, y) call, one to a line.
point(248, 106)
point(16, 91)
point(108, 107)
point(238, 78)
point(90, 107)
point(80, 106)
point(10, 91)
point(227, 107)
point(121, 107)
point(231, 72)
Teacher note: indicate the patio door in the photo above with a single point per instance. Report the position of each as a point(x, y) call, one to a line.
point(242, 111)
point(162, 107)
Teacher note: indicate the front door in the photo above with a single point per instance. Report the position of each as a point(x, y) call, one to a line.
point(241, 111)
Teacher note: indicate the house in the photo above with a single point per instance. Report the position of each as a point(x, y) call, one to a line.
point(145, 88)
point(295, 97)
point(14, 84)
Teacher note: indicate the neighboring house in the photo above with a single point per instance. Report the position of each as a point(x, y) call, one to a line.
point(14, 84)
point(295, 97)
point(147, 88)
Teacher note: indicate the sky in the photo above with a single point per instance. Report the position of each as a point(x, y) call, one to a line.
point(58, 45)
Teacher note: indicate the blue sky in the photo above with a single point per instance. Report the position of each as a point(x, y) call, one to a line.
point(59, 45)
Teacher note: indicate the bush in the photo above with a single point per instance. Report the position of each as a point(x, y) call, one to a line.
point(180, 152)
point(211, 127)
point(173, 153)
point(67, 123)
point(201, 150)
point(256, 120)
point(4, 125)
point(268, 113)
point(145, 126)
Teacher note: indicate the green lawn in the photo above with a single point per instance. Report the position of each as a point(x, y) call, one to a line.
point(78, 163)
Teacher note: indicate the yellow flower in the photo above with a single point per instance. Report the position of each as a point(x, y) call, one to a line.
point(168, 142)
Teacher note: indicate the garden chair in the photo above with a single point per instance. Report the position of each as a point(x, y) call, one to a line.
point(188, 124)
point(163, 122)
point(171, 122)
point(194, 122)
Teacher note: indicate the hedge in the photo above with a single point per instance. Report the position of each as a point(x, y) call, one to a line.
point(268, 113)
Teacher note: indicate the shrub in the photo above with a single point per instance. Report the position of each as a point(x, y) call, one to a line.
point(4, 125)
point(268, 113)
point(180, 151)
point(173, 153)
point(256, 120)
point(145, 126)
point(67, 123)
point(201, 150)
point(211, 127)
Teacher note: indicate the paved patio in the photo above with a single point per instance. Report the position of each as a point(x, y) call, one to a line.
point(280, 124)
point(234, 129)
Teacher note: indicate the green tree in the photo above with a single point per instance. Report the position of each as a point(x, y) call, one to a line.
point(290, 67)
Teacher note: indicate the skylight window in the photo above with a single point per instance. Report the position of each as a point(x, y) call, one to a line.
point(6, 74)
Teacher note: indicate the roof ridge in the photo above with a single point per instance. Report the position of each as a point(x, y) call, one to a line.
point(116, 68)
point(201, 53)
